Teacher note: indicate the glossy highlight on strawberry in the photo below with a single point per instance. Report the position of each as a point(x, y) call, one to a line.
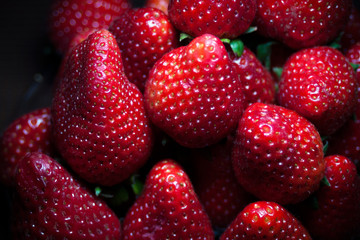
point(193, 93)
point(277, 154)
point(53, 205)
point(168, 207)
point(100, 125)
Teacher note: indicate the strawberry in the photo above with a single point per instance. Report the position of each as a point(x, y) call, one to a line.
point(54, 205)
point(159, 4)
point(216, 185)
point(265, 220)
point(351, 33)
point(168, 207)
point(193, 93)
point(337, 212)
point(302, 24)
point(70, 17)
point(99, 121)
point(28, 133)
point(277, 154)
point(143, 35)
point(353, 56)
point(258, 84)
point(320, 85)
point(224, 19)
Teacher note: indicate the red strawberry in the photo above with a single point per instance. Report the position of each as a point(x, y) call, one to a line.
point(353, 56)
point(56, 206)
point(194, 94)
point(258, 84)
point(351, 33)
point(302, 24)
point(216, 185)
point(265, 220)
point(224, 19)
point(320, 85)
point(28, 133)
point(168, 208)
point(71, 17)
point(337, 215)
point(159, 4)
point(99, 120)
point(277, 154)
point(143, 35)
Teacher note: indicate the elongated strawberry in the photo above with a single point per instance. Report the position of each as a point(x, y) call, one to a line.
point(337, 212)
point(53, 205)
point(277, 154)
point(28, 133)
point(71, 17)
point(100, 126)
point(320, 85)
point(224, 19)
point(265, 220)
point(216, 185)
point(258, 84)
point(159, 4)
point(194, 94)
point(302, 24)
point(168, 208)
point(143, 35)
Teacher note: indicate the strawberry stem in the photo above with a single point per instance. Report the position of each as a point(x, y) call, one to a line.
point(263, 52)
point(184, 36)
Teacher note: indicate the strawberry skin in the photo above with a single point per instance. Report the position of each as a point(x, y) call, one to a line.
point(265, 220)
point(143, 35)
point(99, 121)
point(277, 154)
point(224, 19)
point(56, 206)
point(320, 85)
point(302, 24)
point(193, 93)
point(71, 17)
point(158, 4)
point(338, 213)
point(29, 133)
point(258, 84)
point(216, 185)
point(351, 33)
point(168, 208)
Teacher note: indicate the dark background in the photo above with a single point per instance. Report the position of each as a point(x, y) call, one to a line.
point(27, 61)
point(28, 65)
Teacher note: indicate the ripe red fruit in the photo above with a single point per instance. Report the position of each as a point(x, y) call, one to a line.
point(337, 212)
point(159, 4)
point(168, 208)
point(302, 24)
point(265, 220)
point(277, 154)
point(319, 84)
point(71, 17)
point(224, 19)
point(258, 84)
point(193, 93)
point(28, 133)
point(53, 205)
point(216, 185)
point(100, 125)
point(351, 33)
point(144, 35)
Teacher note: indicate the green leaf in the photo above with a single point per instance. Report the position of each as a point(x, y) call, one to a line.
point(136, 184)
point(336, 43)
point(184, 36)
point(251, 29)
point(355, 66)
point(237, 47)
point(325, 181)
point(314, 202)
point(325, 146)
point(120, 196)
point(278, 71)
point(263, 53)
point(97, 191)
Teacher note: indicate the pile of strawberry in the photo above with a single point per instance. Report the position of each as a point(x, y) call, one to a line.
point(180, 119)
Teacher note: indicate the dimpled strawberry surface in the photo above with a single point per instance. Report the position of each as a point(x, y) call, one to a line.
point(179, 120)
